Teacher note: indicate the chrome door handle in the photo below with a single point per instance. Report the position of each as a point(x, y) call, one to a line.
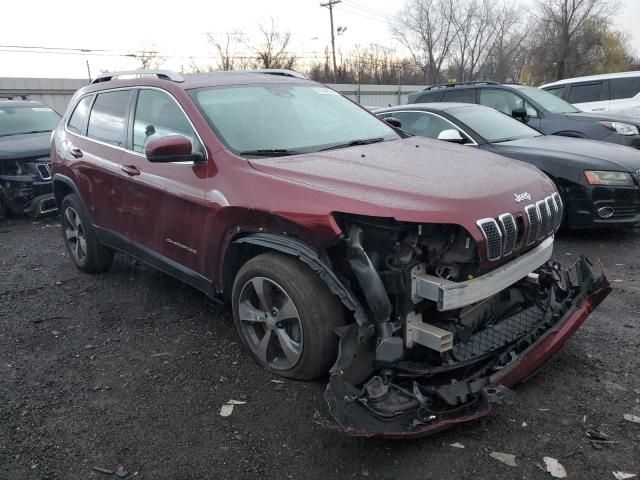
point(130, 170)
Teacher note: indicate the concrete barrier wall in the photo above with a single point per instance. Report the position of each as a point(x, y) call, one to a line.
point(56, 92)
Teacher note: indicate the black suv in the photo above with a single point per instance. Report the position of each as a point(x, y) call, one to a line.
point(539, 109)
point(25, 173)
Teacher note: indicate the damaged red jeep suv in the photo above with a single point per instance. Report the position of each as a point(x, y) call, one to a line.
point(417, 272)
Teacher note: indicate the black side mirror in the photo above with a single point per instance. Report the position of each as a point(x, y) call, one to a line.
point(520, 114)
point(173, 148)
point(394, 122)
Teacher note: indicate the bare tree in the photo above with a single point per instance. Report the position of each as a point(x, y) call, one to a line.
point(477, 27)
point(272, 52)
point(563, 21)
point(428, 29)
point(227, 49)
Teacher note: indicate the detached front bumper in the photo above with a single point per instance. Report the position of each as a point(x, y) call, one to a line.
point(413, 398)
point(25, 194)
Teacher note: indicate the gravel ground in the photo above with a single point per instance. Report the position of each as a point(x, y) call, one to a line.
point(131, 368)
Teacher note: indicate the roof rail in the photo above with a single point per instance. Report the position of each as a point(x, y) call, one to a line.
point(163, 74)
point(461, 84)
point(15, 96)
point(278, 71)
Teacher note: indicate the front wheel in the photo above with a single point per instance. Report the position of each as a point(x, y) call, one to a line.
point(83, 246)
point(286, 316)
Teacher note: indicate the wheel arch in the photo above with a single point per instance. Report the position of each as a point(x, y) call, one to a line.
point(243, 248)
point(63, 186)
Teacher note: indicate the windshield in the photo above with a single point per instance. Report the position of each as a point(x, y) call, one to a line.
point(273, 120)
point(492, 125)
point(29, 119)
point(548, 101)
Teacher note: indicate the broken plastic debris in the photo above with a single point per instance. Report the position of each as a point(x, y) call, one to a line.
point(277, 381)
point(226, 410)
point(624, 475)
point(505, 458)
point(457, 445)
point(631, 418)
point(555, 468)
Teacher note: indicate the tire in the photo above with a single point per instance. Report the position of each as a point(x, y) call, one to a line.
point(303, 316)
point(88, 254)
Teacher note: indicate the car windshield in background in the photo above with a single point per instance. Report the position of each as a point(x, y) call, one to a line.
point(548, 101)
point(492, 125)
point(29, 119)
point(285, 119)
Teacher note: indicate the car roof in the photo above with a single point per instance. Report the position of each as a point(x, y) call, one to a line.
point(21, 103)
point(603, 76)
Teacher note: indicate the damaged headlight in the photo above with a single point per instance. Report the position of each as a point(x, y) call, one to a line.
point(621, 128)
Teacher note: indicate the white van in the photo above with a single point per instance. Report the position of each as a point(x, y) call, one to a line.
point(612, 92)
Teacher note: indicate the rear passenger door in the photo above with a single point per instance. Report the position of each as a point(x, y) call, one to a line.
point(96, 134)
point(589, 96)
point(164, 202)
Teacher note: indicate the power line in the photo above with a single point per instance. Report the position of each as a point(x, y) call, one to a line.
point(368, 10)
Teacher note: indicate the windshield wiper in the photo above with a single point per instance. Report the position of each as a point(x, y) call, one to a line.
point(354, 143)
point(270, 152)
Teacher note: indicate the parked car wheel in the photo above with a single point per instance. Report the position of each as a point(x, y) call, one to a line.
point(286, 316)
point(83, 246)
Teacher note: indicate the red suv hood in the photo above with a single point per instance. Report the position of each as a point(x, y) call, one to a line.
point(416, 179)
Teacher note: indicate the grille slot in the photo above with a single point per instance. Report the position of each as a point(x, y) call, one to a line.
point(558, 200)
point(551, 206)
point(44, 170)
point(493, 237)
point(510, 233)
point(545, 219)
point(533, 214)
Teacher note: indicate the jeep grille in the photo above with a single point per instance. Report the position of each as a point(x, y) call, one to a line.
point(543, 218)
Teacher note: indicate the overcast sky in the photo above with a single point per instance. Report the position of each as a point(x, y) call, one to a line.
point(179, 31)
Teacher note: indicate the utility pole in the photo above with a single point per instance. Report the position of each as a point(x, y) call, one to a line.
point(330, 5)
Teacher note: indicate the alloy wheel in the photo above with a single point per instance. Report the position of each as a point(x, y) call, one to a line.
point(270, 323)
point(75, 235)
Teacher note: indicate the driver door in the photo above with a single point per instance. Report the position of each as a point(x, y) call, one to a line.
point(164, 202)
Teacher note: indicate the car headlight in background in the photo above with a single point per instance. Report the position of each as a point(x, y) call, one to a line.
point(600, 177)
point(621, 128)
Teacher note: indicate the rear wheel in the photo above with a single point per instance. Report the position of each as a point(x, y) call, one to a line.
point(286, 316)
point(83, 246)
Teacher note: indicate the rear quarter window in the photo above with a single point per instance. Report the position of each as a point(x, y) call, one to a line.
point(463, 96)
point(429, 97)
point(79, 115)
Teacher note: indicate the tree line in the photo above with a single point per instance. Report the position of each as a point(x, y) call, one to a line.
point(452, 41)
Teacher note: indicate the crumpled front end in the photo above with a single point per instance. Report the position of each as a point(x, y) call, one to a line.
point(26, 186)
point(445, 335)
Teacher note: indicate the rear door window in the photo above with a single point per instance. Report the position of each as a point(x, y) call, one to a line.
point(107, 118)
point(462, 96)
point(624, 87)
point(157, 115)
point(585, 92)
point(79, 115)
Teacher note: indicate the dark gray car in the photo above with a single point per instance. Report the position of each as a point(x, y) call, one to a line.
point(599, 182)
point(539, 109)
point(25, 174)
